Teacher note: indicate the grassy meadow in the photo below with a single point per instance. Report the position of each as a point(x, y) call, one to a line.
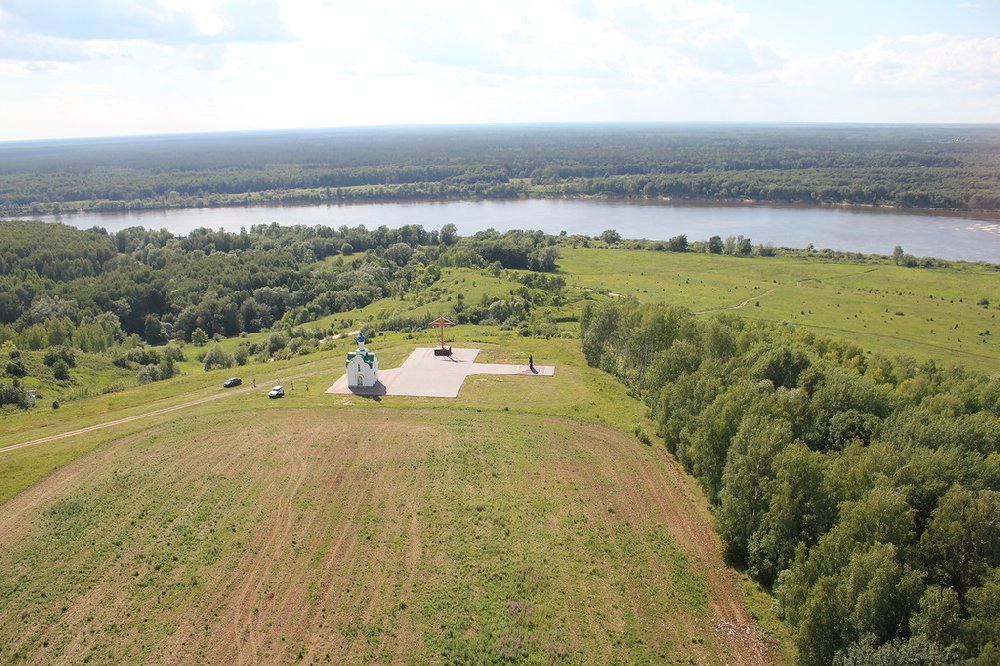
point(929, 314)
point(520, 522)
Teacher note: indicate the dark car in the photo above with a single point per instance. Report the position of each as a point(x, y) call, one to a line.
point(231, 382)
point(276, 392)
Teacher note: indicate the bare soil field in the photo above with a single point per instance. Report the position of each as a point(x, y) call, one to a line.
point(360, 536)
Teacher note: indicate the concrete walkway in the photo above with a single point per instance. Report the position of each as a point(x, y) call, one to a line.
point(425, 375)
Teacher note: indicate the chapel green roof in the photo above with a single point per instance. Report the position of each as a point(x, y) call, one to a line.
point(367, 356)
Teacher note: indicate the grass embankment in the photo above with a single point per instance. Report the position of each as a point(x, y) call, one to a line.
point(517, 521)
point(923, 313)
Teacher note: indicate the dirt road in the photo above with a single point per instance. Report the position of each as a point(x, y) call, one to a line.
point(144, 415)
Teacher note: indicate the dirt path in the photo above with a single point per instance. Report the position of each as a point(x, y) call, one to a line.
point(143, 415)
point(798, 285)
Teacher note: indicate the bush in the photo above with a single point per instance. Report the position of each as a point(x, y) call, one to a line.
point(138, 356)
point(276, 341)
point(174, 352)
point(60, 370)
point(13, 394)
point(56, 353)
point(149, 373)
point(641, 434)
point(241, 355)
point(15, 366)
point(216, 357)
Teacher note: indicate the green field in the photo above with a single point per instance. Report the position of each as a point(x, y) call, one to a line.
point(518, 522)
point(523, 521)
point(923, 313)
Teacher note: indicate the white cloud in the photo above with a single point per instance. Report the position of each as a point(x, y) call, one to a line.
point(207, 15)
point(182, 65)
point(922, 63)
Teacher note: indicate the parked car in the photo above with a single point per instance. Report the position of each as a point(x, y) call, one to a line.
point(231, 382)
point(276, 392)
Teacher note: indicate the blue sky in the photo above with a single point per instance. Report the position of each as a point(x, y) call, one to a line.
point(111, 67)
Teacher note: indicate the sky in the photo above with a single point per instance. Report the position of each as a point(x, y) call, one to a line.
point(78, 68)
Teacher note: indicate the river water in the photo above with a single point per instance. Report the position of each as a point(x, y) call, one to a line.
point(865, 230)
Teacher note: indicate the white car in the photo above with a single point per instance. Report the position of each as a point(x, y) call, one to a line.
point(276, 392)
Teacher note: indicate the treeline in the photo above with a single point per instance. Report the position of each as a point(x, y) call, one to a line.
point(864, 490)
point(91, 289)
point(909, 187)
point(943, 167)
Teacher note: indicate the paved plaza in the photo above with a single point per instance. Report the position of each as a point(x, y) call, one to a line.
point(426, 375)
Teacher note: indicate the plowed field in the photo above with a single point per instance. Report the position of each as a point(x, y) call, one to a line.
point(363, 536)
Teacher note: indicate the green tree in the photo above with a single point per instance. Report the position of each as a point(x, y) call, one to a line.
point(715, 245)
point(982, 627)
point(962, 541)
point(871, 597)
point(743, 247)
point(199, 337)
point(611, 237)
point(241, 354)
point(216, 357)
point(940, 616)
point(168, 367)
point(748, 479)
point(449, 234)
point(800, 511)
point(713, 433)
point(60, 370)
point(13, 394)
point(15, 364)
point(545, 259)
point(153, 331)
point(399, 253)
point(276, 341)
point(678, 244)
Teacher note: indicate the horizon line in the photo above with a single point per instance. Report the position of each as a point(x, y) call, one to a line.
point(486, 125)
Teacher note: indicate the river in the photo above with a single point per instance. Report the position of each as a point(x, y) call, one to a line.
point(967, 237)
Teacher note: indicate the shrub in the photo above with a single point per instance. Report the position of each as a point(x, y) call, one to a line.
point(241, 354)
point(60, 370)
point(641, 434)
point(199, 337)
point(15, 366)
point(276, 341)
point(216, 357)
point(13, 394)
point(56, 353)
point(174, 352)
point(149, 373)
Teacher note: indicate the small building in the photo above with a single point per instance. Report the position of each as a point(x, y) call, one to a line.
point(362, 365)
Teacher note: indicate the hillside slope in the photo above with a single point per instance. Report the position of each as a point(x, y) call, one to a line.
point(364, 535)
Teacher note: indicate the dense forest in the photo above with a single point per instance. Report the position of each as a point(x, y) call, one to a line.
point(864, 490)
point(55, 279)
point(70, 290)
point(911, 166)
